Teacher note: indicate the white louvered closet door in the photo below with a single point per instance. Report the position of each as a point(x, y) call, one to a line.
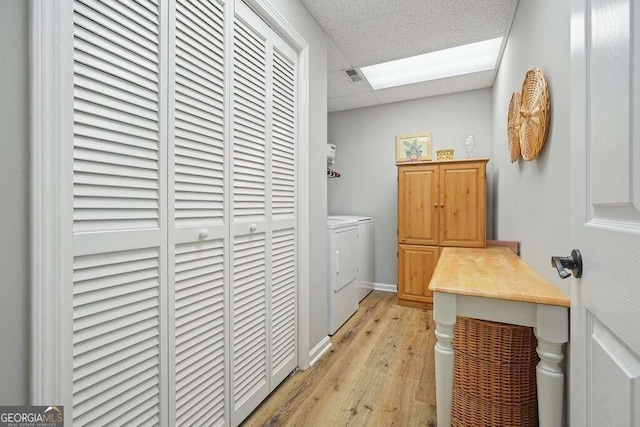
point(263, 336)
point(283, 296)
point(183, 298)
point(249, 352)
point(198, 243)
point(118, 293)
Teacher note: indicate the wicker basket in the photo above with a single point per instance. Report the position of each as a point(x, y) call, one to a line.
point(471, 412)
point(513, 127)
point(534, 114)
point(494, 374)
point(444, 154)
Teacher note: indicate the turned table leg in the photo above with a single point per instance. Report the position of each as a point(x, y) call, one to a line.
point(445, 318)
point(552, 332)
point(550, 384)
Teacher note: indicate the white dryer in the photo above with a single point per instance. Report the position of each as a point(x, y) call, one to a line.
point(366, 253)
point(342, 236)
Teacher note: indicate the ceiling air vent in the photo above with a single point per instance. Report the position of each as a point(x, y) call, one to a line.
point(353, 75)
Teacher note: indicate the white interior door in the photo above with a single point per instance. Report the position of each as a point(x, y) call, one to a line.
point(605, 311)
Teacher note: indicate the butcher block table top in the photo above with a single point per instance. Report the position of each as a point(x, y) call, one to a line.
point(494, 272)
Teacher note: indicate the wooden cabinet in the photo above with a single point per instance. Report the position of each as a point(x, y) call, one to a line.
point(462, 205)
point(439, 204)
point(415, 267)
point(418, 204)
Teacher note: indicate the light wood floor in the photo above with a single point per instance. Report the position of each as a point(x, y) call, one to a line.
point(380, 372)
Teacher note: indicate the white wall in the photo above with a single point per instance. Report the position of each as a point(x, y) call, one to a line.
point(532, 204)
point(14, 192)
point(365, 140)
point(296, 14)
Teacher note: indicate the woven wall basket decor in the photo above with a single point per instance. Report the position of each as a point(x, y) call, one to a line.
point(513, 127)
point(534, 114)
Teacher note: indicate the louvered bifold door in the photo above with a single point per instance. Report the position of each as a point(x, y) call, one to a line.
point(119, 313)
point(249, 352)
point(198, 246)
point(283, 211)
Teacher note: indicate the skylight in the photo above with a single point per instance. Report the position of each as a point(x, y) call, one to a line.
point(455, 61)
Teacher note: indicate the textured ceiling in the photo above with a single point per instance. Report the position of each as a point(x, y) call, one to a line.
point(366, 32)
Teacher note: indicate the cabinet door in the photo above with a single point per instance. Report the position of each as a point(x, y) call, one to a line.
point(418, 204)
point(415, 267)
point(462, 205)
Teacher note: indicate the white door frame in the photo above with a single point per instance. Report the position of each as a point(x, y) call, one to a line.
point(51, 217)
point(50, 123)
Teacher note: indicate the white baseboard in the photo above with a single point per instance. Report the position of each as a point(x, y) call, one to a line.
point(384, 287)
point(316, 352)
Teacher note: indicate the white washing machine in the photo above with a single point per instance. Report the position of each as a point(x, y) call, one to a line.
point(342, 236)
point(366, 253)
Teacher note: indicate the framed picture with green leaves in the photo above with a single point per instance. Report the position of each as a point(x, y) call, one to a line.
point(413, 147)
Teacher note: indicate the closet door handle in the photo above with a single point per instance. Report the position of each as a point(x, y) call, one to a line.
point(203, 234)
point(253, 228)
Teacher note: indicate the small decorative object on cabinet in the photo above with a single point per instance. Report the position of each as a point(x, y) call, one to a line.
point(413, 147)
point(440, 204)
point(534, 114)
point(469, 144)
point(446, 154)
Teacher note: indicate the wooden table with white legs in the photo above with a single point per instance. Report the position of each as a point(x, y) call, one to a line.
point(495, 284)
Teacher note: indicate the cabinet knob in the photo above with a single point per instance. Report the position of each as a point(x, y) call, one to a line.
point(253, 228)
